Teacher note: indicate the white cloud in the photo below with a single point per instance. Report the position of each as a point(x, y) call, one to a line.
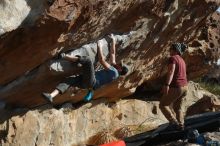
point(218, 9)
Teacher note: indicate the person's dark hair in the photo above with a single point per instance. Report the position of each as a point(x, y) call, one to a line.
point(122, 69)
point(179, 47)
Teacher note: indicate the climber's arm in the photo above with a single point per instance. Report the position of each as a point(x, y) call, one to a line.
point(112, 51)
point(171, 70)
point(101, 57)
point(69, 58)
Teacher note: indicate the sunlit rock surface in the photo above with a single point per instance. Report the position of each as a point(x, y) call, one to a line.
point(145, 30)
point(83, 123)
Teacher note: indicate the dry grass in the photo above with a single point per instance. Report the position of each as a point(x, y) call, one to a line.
point(213, 88)
point(102, 138)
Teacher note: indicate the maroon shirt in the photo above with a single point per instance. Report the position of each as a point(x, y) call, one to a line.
point(179, 77)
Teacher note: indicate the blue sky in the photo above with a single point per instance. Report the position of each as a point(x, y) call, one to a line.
point(218, 9)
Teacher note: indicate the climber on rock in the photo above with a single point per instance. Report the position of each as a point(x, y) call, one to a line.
point(175, 88)
point(89, 79)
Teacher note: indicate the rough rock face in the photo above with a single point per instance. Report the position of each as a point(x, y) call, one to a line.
point(92, 123)
point(19, 13)
point(214, 38)
point(34, 32)
point(206, 103)
point(207, 43)
point(69, 126)
point(28, 52)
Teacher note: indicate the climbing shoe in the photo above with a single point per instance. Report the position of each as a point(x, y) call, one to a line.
point(88, 96)
point(47, 97)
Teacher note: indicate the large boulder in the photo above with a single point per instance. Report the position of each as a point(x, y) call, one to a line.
point(28, 53)
point(96, 122)
point(20, 13)
point(77, 126)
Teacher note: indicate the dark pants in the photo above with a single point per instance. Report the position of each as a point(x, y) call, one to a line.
point(85, 80)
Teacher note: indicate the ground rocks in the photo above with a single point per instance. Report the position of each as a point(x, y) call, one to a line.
point(96, 122)
point(69, 126)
